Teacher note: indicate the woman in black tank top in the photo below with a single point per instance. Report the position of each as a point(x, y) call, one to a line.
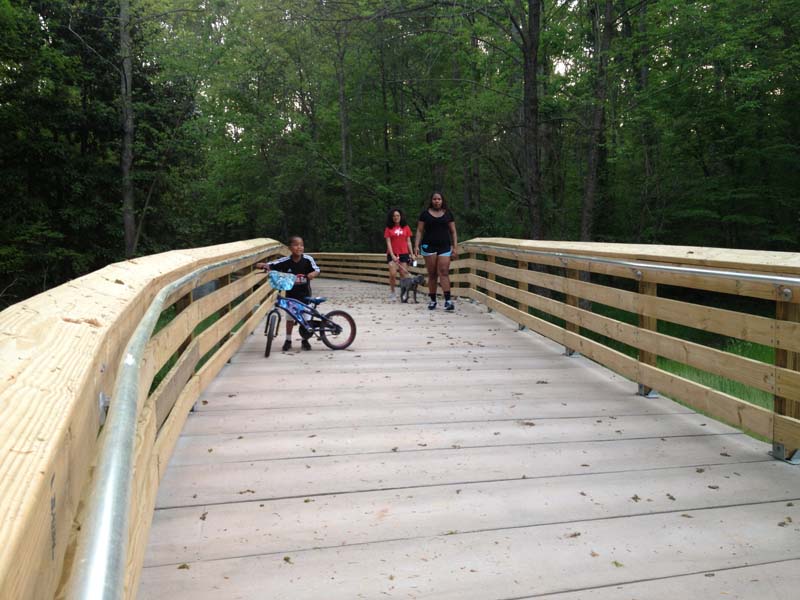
point(437, 241)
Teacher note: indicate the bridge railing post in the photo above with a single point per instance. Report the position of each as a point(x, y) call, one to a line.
point(785, 311)
point(571, 300)
point(647, 288)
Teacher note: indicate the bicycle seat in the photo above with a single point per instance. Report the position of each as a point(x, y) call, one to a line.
point(315, 299)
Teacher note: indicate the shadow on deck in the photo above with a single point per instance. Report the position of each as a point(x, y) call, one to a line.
point(450, 455)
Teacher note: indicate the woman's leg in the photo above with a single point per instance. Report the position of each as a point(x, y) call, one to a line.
point(430, 265)
point(392, 276)
point(443, 270)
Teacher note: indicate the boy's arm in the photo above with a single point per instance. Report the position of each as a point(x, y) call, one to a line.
point(315, 272)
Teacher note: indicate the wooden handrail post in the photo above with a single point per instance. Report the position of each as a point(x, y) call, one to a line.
point(571, 300)
point(647, 288)
point(786, 311)
point(465, 272)
point(790, 407)
point(491, 276)
point(522, 285)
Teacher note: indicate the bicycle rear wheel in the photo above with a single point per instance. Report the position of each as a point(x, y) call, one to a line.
point(273, 319)
point(338, 330)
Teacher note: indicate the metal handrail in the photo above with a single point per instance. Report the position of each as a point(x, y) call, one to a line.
point(103, 543)
point(777, 280)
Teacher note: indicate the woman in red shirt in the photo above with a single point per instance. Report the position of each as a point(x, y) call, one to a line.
point(398, 247)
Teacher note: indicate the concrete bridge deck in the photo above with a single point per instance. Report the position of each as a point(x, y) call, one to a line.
point(453, 456)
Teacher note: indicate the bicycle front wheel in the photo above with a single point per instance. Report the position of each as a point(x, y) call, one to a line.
point(338, 330)
point(273, 318)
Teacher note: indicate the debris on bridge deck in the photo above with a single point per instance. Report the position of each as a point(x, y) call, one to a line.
point(451, 455)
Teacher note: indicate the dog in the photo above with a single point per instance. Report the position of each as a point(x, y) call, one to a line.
point(410, 284)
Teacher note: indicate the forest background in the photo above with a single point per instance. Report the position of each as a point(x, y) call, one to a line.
point(130, 127)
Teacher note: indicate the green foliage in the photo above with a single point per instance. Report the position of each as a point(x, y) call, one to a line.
point(239, 124)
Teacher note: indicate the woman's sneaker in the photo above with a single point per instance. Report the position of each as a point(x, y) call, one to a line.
point(432, 305)
point(448, 305)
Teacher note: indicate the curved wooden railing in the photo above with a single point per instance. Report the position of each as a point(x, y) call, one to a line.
point(62, 353)
point(619, 305)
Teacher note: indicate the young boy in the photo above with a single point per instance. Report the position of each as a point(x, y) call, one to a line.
point(303, 267)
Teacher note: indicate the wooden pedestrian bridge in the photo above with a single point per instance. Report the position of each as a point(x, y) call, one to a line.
point(514, 448)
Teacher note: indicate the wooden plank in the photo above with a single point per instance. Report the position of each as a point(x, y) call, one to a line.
point(734, 286)
point(779, 581)
point(270, 253)
point(302, 477)
point(721, 406)
point(490, 274)
point(571, 300)
point(753, 328)
point(167, 392)
point(279, 419)
point(786, 263)
point(787, 401)
point(320, 439)
point(738, 368)
point(261, 527)
point(166, 342)
point(169, 432)
point(565, 557)
point(650, 324)
point(221, 329)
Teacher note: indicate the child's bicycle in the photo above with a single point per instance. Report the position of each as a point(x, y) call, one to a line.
point(336, 329)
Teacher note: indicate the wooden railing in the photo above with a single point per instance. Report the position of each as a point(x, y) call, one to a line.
point(634, 309)
point(61, 355)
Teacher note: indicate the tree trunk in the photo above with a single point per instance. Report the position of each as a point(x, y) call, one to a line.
point(597, 118)
point(344, 137)
point(387, 165)
point(530, 116)
point(126, 101)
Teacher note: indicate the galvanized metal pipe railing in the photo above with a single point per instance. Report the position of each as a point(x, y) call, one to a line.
point(776, 280)
point(99, 572)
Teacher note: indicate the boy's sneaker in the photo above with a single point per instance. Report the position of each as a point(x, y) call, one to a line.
point(305, 345)
point(392, 297)
point(432, 305)
point(448, 305)
point(287, 345)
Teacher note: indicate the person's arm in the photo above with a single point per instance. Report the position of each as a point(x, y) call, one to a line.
point(408, 241)
point(315, 273)
point(389, 250)
point(454, 238)
point(420, 231)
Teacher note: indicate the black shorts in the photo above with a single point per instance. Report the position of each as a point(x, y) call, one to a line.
point(440, 248)
point(299, 292)
point(403, 258)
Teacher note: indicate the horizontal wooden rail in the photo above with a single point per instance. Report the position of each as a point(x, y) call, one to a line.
point(62, 352)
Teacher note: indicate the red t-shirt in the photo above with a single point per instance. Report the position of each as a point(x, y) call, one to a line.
point(398, 236)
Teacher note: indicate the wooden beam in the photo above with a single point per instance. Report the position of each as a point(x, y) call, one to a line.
point(649, 323)
point(787, 400)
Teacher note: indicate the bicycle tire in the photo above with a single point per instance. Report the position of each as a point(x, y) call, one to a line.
point(271, 328)
point(344, 337)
